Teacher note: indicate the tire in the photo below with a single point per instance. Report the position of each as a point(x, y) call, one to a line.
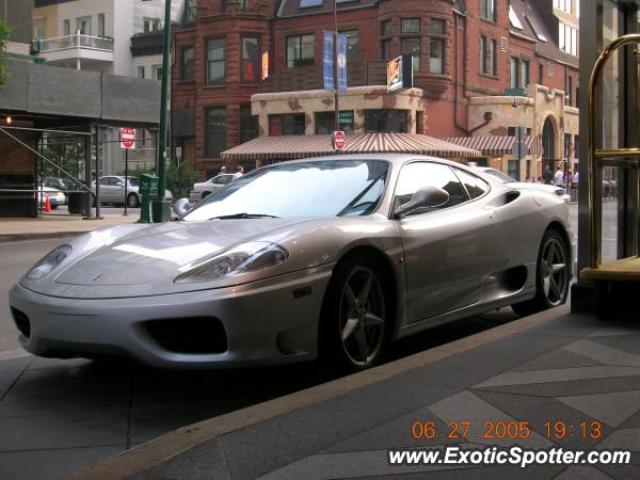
point(133, 201)
point(355, 320)
point(552, 276)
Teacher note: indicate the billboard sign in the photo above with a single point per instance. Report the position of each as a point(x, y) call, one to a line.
point(400, 73)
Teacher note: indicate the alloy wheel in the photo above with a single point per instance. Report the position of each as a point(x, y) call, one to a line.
point(362, 316)
point(555, 278)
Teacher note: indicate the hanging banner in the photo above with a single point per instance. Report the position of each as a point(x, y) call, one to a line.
point(327, 60)
point(265, 65)
point(342, 62)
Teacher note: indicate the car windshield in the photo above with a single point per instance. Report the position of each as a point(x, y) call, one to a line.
point(502, 176)
point(307, 189)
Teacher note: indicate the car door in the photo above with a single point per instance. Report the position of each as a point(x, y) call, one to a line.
point(448, 250)
point(118, 189)
point(106, 193)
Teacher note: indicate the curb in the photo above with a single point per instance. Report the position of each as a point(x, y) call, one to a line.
point(165, 447)
point(14, 237)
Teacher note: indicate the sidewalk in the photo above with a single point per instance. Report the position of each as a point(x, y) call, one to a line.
point(56, 224)
point(551, 366)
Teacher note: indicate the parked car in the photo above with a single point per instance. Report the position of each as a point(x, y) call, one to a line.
point(327, 258)
point(56, 197)
point(112, 190)
point(536, 186)
point(202, 189)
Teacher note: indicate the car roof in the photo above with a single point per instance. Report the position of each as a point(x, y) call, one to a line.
point(393, 158)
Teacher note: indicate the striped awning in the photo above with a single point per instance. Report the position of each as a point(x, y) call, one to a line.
point(493, 145)
point(302, 146)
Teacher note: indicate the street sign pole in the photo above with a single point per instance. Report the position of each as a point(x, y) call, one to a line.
point(126, 180)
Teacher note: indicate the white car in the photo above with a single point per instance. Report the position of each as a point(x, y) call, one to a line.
point(535, 186)
point(202, 189)
point(56, 197)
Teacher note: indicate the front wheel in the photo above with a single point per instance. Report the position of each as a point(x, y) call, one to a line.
point(355, 316)
point(552, 276)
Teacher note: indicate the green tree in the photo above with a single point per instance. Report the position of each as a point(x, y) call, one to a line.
point(5, 34)
point(180, 179)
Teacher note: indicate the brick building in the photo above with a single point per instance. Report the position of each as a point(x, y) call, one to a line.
point(482, 68)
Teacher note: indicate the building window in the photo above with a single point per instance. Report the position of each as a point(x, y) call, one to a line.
point(157, 72)
point(300, 50)
point(525, 73)
point(386, 49)
point(519, 73)
point(386, 28)
point(186, 65)
point(488, 10)
point(287, 124)
point(575, 146)
point(488, 56)
point(151, 25)
point(353, 45)
point(225, 3)
point(83, 25)
point(567, 39)
point(66, 27)
point(438, 30)
point(515, 72)
point(215, 61)
point(325, 121)
point(215, 131)
point(141, 72)
point(411, 46)
point(568, 90)
point(101, 25)
point(248, 124)
point(250, 59)
point(385, 121)
point(540, 74)
point(410, 25)
point(567, 145)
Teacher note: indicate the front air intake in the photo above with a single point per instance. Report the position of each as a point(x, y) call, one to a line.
point(191, 335)
point(22, 322)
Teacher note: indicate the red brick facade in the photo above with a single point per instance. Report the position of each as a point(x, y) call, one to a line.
point(447, 94)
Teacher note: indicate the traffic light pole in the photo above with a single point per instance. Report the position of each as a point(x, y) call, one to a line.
point(161, 209)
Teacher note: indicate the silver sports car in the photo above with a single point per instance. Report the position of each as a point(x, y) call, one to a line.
point(331, 257)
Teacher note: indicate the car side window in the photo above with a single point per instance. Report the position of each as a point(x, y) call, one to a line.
point(476, 187)
point(417, 175)
point(105, 181)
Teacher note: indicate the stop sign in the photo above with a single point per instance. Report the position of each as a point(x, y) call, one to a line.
point(127, 137)
point(338, 139)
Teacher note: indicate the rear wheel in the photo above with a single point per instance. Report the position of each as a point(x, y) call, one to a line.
point(355, 316)
point(552, 276)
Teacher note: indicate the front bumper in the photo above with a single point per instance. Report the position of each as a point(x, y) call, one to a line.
point(268, 322)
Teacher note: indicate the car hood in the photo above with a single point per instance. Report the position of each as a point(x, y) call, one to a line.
point(145, 261)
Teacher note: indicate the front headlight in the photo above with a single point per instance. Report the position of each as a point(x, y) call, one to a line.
point(49, 262)
point(248, 257)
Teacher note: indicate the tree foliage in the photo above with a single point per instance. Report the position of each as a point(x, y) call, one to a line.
point(180, 179)
point(5, 34)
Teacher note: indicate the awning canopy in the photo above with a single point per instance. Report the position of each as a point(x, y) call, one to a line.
point(493, 145)
point(302, 146)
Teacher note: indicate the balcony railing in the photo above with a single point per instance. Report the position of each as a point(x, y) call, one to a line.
point(77, 40)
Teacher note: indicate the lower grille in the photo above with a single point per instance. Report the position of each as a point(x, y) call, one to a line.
point(22, 322)
point(194, 335)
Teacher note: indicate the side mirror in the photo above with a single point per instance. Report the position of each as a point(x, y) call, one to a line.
point(430, 197)
point(181, 207)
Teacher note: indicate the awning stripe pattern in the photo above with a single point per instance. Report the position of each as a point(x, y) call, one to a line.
point(494, 145)
point(302, 146)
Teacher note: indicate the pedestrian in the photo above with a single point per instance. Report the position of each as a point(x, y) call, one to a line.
point(576, 178)
point(223, 169)
point(239, 171)
point(547, 175)
point(558, 178)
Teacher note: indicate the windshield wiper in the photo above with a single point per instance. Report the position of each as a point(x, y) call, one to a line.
point(241, 215)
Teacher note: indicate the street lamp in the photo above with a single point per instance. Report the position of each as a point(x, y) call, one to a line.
point(161, 209)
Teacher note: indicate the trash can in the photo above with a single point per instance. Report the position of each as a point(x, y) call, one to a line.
point(149, 191)
point(76, 202)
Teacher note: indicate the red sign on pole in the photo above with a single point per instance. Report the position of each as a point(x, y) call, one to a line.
point(338, 140)
point(128, 138)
